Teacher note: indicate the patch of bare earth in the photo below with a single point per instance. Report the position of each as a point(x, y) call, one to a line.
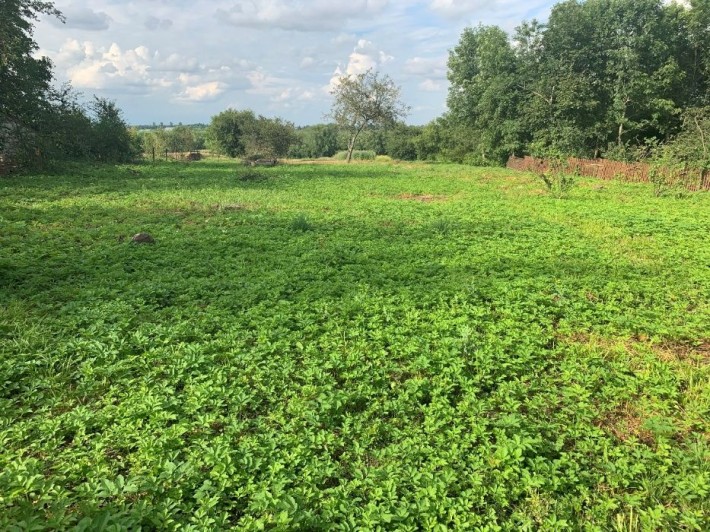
point(626, 422)
point(424, 198)
point(690, 353)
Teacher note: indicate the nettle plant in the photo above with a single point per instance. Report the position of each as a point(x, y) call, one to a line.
point(559, 179)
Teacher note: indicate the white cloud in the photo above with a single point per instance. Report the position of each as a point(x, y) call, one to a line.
point(455, 8)
point(307, 62)
point(315, 15)
point(344, 38)
point(203, 92)
point(429, 85)
point(155, 23)
point(277, 57)
point(421, 66)
point(93, 67)
point(365, 56)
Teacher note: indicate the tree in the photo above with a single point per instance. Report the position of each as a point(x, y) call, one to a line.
point(400, 142)
point(241, 133)
point(363, 101)
point(25, 90)
point(268, 137)
point(484, 92)
point(227, 131)
point(111, 139)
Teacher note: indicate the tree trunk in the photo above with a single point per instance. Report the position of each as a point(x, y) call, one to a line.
point(351, 144)
point(351, 147)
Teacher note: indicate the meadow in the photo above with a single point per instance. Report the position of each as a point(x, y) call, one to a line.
point(373, 346)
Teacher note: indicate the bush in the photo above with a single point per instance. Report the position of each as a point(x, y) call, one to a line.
point(358, 155)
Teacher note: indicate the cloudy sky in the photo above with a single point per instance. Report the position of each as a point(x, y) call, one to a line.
point(184, 61)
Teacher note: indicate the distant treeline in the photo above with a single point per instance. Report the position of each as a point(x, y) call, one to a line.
point(620, 79)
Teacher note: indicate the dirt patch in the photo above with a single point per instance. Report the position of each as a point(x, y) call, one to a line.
point(626, 422)
point(695, 353)
point(424, 198)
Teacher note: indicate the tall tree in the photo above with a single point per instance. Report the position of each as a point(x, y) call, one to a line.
point(698, 25)
point(24, 79)
point(111, 138)
point(241, 133)
point(484, 92)
point(365, 100)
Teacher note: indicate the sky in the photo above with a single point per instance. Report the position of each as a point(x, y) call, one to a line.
point(184, 61)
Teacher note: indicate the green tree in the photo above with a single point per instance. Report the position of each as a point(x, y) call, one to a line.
point(268, 137)
point(484, 92)
point(363, 101)
point(25, 80)
point(227, 131)
point(698, 57)
point(400, 142)
point(180, 139)
point(111, 139)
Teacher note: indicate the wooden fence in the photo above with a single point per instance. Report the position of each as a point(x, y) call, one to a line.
point(604, 169)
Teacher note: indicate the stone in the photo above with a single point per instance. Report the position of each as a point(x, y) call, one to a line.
point(143, 238)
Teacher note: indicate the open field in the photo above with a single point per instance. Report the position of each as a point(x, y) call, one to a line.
point(351, 347)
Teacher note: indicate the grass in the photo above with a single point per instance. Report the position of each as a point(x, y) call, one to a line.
point(372, 346)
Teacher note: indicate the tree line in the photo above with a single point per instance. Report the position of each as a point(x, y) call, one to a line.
point(621, 79)
point(613, 78)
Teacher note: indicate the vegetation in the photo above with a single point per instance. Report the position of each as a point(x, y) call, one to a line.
point(358, 155)
point(157, 141)
point(40, 124)
point(369, 346)
point(601, 77)
point(25, 81)
point(243, 134)
point(365, 100)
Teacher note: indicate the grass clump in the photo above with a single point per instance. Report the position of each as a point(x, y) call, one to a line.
point(301, 223)
point(558, 178)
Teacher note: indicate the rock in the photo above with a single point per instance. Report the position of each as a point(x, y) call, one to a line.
point(143, 238)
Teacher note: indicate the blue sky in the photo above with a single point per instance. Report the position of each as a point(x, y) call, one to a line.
point(184, 61)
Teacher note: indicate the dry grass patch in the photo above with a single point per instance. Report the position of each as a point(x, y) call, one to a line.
point(424, 198)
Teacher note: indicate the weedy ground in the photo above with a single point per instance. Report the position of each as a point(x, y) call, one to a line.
point(373, 346)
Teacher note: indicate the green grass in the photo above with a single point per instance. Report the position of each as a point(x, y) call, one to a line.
point(371, 346)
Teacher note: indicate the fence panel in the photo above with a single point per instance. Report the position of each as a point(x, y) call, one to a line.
point(605, 169)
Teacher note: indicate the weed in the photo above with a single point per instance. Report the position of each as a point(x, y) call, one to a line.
point(301, 223)
point(441, 226)
point(557, 178)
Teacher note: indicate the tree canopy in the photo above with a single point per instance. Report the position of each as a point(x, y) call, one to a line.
point(601, 77)
point(243, 134)
point(25, 81)
point(365, 100)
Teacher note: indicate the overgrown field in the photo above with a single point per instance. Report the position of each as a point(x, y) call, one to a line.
point(372, 346)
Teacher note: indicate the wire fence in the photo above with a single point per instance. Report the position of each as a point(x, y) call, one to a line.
point(608, 170)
